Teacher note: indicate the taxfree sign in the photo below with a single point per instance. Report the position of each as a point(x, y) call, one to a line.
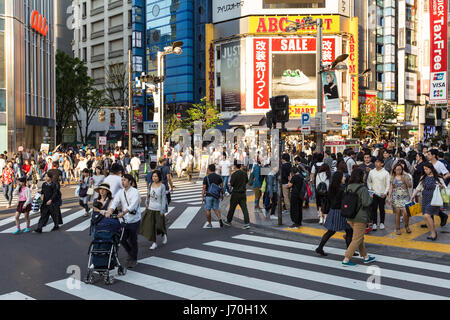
point(438, 56)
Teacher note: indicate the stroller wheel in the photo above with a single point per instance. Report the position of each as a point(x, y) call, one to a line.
point(109, 280)
point(122, 271)
point(89, 277)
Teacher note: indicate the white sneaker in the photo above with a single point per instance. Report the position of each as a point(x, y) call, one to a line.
point(321, 220)
point(263, 211)
point(154, 246)
point(164, 240)
point(381, 226)
point(374, 227)
point(401, 218)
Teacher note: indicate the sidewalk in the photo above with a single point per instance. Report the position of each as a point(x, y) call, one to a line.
point(416, 240)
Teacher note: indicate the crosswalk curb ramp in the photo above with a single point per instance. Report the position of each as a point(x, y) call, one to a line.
point(268, 268)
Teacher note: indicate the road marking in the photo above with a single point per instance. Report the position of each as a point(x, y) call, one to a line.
point(12, 219)
point(380, 258)
point(87, 292)
point(215, 225)
point(185, 218)
point(239, 280)
point(15, 296)
point(187, 198)
point(299, 273)
point(81, 227)
point(195, 203)
point(173, 288)
point(398, 275)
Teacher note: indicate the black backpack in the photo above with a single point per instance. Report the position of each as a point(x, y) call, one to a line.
point(350, 203)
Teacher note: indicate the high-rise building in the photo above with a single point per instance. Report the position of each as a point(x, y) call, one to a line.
point(64, 17)
point(102, 39)
point(27, 74)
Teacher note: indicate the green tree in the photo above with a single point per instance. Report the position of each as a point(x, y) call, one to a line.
point(71, 78)
point(171, 124)
point(204, 111)
point(89, 104)
point(375, 119)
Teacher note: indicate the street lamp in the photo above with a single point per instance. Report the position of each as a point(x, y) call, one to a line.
point(309, 22)
point(174, 49)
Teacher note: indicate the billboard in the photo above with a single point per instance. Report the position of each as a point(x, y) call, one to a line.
point(278, 24)
point(230, 73)
point(261, 74)
point(331, 92)
point(438, 48)
point(354, 67)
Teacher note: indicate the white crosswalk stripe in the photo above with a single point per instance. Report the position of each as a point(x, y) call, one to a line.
point(185, 218)
point(15, 296)
point(34, 221)
point(277, 273)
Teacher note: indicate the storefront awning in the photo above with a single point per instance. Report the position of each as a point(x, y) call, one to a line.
point(247, 120)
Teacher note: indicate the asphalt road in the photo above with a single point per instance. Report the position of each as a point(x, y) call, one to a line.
point(202, 264)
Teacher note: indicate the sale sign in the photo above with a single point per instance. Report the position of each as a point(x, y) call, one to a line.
point(261, 74)
point(305, 44)
point(438, 56)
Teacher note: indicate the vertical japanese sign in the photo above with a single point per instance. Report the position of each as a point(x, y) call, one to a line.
point(438, 56)
point(210, 74)
point(353, 66)
point(261, 74)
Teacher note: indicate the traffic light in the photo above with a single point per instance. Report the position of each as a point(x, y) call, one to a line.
point(270, 120)
point(101, 116)
point(280, 109)
point(112, 118)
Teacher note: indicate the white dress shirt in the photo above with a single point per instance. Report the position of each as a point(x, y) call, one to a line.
point(131, 203)
point(135, 163)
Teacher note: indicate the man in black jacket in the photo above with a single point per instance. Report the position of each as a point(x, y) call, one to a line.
point(49, 201)
point(238, 182)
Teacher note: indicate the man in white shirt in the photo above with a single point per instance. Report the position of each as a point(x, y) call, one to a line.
point(114, 179)
point(350, 161)
point(378, 181)
point(130, 200)
point(135, 164)
point(225, 166)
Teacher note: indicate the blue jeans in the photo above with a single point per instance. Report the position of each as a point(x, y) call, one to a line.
point(8, 192)
point(64, 176)
point(225, 183)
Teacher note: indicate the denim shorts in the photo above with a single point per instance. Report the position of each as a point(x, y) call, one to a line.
point(211, 203)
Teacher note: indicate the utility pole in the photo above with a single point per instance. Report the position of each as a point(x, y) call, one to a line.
point(130, 100)
point(319, 114)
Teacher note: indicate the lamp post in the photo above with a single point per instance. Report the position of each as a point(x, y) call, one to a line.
point(320, 68)
point(174, 49)
point(364, 74)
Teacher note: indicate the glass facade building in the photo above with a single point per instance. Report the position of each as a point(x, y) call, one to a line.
point(27, 74)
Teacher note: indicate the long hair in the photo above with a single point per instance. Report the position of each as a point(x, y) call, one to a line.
point(398, 164)
point(404, 165)
point(342, 166)
point(357, 176)
point(433, 170)
point(335, 184)
point(325, 168)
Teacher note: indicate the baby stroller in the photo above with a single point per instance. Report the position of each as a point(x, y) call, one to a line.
point(104, 249)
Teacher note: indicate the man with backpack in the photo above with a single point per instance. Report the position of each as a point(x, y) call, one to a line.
point(212, 193)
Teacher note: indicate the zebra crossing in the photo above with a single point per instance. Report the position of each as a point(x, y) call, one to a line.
point(258, 267)
point(189, 193)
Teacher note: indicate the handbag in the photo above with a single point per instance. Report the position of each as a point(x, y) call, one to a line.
point(437, 198)
point(90, 192)
point(413, 209)
point(83, 192)
point(445, 195)
point(263, 187)
point(308, 190)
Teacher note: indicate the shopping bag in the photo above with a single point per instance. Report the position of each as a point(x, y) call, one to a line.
point(308, 190)
point(413, 209)
point(263, 187)
point(437, 198)
point(145, 168)
point(90, 192)
point(445, 195)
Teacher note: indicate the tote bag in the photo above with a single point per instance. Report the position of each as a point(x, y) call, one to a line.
point(437, 198)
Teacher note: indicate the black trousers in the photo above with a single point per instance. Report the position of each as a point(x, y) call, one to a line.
point(46, 212)
point(296, 210)
point(241, 200)
point(378, 202)
point(129, 240)
point(330, 233)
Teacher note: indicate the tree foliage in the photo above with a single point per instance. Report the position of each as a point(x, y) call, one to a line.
point(374, 120)
point(204, 111)
point(71, 79)
point(171, 124)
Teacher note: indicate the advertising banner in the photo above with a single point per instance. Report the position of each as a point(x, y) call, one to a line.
point(210, 51)
point(295, 111)
point(331, 93)
point(138, 115)
point(438, 56)
point(353, 67)
point(261, 74)
point(230, 73)
point(370, 100)
point(278, 24)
